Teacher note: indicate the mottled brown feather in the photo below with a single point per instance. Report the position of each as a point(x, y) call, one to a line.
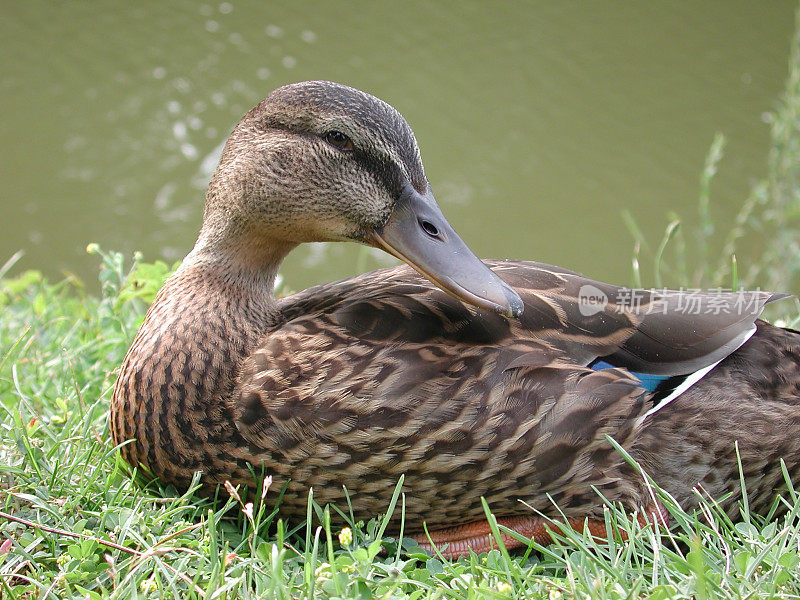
point(355, 383)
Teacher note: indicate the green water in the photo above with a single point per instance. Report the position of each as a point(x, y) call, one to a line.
point(538, 122)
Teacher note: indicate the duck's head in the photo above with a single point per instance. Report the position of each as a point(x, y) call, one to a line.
point(320, 161)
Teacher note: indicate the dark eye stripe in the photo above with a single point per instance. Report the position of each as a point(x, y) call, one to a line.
point(338, 140)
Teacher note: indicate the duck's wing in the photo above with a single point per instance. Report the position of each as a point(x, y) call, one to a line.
point(399, 306)
point(659, 332)
point(384, 374)
point(382, 351)
point(376, 377)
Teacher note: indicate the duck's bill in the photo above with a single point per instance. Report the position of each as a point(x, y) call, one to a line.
point(418, 234)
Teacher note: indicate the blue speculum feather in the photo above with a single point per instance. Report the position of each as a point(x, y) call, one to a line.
point(649, 382)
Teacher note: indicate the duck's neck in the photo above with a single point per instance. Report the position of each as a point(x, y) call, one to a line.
point(235, 282)
point(179, 374)
point(228, 288)
point(251, 260)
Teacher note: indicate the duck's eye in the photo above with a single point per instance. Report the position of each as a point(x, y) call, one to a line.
point(429, 228)
point(339, 140)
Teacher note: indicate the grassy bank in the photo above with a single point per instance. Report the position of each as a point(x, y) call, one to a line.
point(75, 522)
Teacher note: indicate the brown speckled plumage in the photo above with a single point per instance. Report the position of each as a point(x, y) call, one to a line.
point(358, 382)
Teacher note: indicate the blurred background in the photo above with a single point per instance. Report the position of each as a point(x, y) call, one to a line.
point(539, 122)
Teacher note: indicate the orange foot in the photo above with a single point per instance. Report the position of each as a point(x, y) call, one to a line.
point(477, 536)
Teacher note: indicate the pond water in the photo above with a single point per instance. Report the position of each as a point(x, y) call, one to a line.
point(539, 122)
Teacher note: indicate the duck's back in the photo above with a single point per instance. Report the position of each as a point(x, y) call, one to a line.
point(382, 375)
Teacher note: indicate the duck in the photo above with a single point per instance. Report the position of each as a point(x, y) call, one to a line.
point(501, 380)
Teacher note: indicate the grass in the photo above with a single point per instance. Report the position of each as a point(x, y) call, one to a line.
point(76, 523)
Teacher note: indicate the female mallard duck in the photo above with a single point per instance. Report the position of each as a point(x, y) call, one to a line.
point(353, 384)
